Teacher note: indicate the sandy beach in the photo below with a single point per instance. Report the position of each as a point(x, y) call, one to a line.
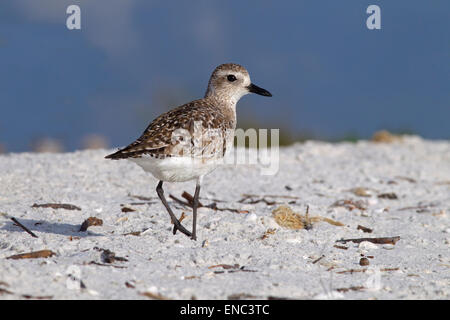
point(359, 190)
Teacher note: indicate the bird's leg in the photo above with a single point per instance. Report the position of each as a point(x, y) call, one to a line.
point(176, 222)
point(194, 211)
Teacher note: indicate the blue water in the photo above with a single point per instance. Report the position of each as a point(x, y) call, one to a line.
point(131, 60)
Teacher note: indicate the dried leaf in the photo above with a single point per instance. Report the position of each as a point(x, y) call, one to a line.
point(287, 218)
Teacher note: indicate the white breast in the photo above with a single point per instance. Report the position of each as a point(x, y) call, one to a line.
point(177, 169)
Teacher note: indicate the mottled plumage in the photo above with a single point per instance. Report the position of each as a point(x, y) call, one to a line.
point(158, 140)
point(189, 141)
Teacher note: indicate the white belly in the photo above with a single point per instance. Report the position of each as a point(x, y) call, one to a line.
point(176, 169)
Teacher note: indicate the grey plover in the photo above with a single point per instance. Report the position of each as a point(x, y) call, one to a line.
point(189, 141)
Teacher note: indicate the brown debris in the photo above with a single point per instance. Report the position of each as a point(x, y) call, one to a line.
point(240, 296)
point(318, 259)
point(108, 256)
point(5, 291)
point(142, 198)
point(350, 204)
point(385, 136)
point(181, 217)
point(190, 199)
point(421, 207)
point(361, 192)
point(230, 268)
point(224, 266)
point(253, 199)
point(29, 296)
point(91, 221)
point(411, 180)
point(364, 270)
point(126, 209)
point(213, 205)
point(364, 229)
point(134, 233)
point(355, 288)
point(385, 240)
point(33, 255)
point(287, 218)
point(107, 265)
point(154, 296)
point(340, 247)
point(267, 233)
point(389, 195)
point(23, 227)
point(364, 262)
point(56, 206)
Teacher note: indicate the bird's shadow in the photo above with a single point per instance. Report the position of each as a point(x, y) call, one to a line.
point(47, 227)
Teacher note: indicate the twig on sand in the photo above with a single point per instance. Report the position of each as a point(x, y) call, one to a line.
point(250, 199)
point(190, 203)
point(56, 206)
point(385, 240)
point(317, 260)
point(355, 288)
point(230, 268)
point(364, 229)
point(18, 224)
point(154, 296)
point(364, 270)
point(106, 265)
point(23, 227)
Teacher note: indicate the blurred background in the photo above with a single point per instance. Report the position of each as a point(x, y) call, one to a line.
point(331, 78)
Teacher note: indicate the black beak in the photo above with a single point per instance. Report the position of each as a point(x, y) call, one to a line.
point(255, 89)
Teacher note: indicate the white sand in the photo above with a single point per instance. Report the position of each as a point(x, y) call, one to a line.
point(176, 267)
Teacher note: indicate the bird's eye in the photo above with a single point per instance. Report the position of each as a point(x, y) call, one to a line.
point(231, 78)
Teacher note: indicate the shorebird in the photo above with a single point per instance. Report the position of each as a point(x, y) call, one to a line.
point(188, 142)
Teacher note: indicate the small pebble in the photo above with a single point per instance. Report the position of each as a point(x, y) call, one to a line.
point(367, 245)
point(364, 262)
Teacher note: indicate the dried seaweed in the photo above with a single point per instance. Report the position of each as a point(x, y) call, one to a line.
point(364, 229)
point(287, 218)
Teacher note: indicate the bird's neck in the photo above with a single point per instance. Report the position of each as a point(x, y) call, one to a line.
point(226, 104)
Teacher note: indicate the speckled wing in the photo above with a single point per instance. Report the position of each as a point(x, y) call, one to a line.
point(207, 126)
